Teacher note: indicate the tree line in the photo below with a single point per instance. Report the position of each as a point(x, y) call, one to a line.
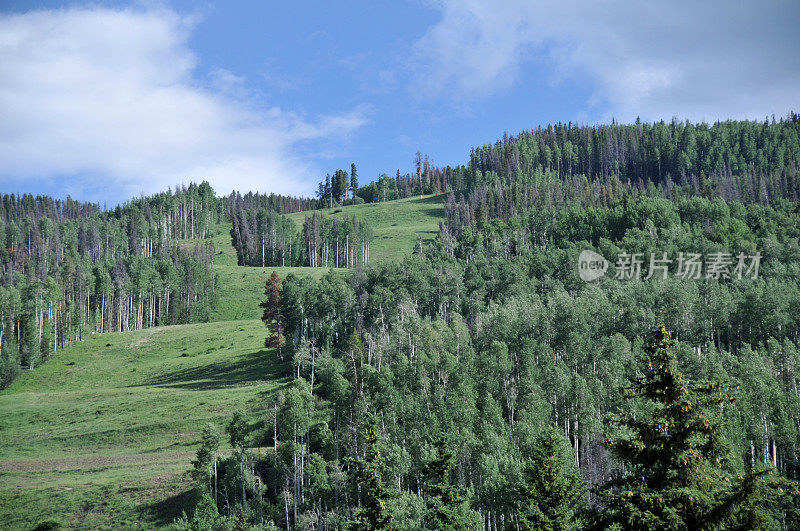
point(264, 238)
point(68, 270)
point(662, 153)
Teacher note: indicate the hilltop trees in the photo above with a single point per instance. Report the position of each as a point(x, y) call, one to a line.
point(353, 180)
point(263, 238)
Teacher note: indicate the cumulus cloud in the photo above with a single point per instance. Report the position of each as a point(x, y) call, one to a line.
point(697, 60)
point(110, 99)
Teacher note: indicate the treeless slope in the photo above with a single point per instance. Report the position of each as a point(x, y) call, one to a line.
point(103, 434)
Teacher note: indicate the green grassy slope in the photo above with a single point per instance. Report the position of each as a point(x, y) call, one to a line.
point(395, 224)
point(241, 288)
point(103, 434)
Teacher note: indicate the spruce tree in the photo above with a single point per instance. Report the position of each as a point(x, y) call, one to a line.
point(445, 507)
point(375, 513)
point(353, 179)
point(675, 456)
point(550, 492)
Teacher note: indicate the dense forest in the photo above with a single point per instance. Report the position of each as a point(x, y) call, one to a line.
point(735, 160)
point(481, 383)
point(70, 269)
point(496, 349)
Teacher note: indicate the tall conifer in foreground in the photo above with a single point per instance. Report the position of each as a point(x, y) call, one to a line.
point(446, 508)
point(272, 313)
point(375, 513)
point(675, 457)
point(551, 493)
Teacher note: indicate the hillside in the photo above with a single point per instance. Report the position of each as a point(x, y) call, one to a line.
point(141, 398)
point(134, 398)
point(396, 225)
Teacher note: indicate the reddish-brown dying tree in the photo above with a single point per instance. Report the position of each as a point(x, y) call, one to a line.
point(272, 313)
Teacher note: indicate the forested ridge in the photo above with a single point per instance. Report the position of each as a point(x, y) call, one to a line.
point(481, 383)
point(70, 269)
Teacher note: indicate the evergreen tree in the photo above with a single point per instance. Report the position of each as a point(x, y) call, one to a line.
point(551, 492)
point(328, 190)
point(375, 513)
point(353, 179)
point(446, 509)
point(675, 454)
point(272, 313)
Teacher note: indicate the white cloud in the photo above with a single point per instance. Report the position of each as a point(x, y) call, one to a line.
point(697, 60)
point(113, 98)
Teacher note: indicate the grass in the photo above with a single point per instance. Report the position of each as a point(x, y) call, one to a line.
point(396, 225)
point(240, 289)
point(103, 434)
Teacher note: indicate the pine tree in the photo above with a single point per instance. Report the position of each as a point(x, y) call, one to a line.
point(550, 492)
point(328, 190)
point(375, 513)
point(675, 456)
point(272, 313)
point(353, 179)
point(446, 509)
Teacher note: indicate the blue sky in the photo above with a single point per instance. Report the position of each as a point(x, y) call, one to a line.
point(107, 100)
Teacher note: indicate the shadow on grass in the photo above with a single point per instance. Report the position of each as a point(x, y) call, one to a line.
point(259, 365)
point(164, 512)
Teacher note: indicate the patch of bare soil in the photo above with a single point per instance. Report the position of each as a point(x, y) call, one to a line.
point(91, 461)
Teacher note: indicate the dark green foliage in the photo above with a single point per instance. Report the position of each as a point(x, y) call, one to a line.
point(676, 451)
point(551, 493)
point(353, 179)
point(446, 508)
point(375, 513)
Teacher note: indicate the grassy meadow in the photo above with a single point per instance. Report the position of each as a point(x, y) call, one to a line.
point(103, 434)
point(396, 225)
